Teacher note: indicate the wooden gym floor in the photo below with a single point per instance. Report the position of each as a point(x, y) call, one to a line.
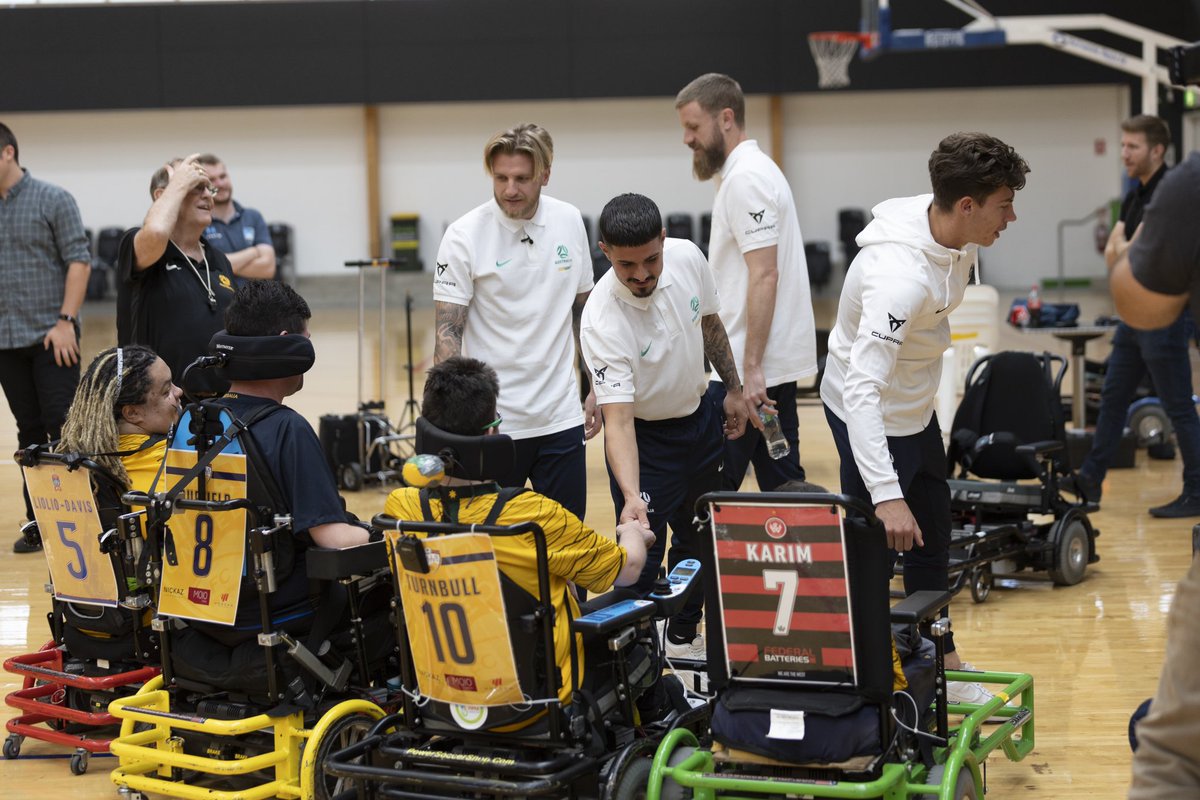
point(1094, 649)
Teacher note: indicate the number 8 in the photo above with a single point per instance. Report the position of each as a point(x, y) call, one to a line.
point(203, 551)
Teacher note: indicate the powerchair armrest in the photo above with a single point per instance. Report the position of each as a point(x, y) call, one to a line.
point(671, 593)
point(1040, 448)
point(920, 606)
point(606, 620)
point(335, 564)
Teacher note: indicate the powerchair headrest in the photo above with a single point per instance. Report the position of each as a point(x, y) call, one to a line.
point(259, 358)
point(472, 458)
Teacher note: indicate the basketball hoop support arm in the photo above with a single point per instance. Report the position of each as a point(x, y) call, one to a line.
point(1049, 31)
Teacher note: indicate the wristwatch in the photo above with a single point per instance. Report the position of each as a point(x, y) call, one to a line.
point(68, 318)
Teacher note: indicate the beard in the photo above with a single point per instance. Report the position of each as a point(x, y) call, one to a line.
point(643, 291)
point(708, 160)
point(523, 211)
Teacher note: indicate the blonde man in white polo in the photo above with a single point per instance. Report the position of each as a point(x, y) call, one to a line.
point(645, 332)
point(511, 279)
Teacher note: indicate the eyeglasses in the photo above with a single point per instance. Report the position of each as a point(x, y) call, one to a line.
point(211, 191)
point(494, 423)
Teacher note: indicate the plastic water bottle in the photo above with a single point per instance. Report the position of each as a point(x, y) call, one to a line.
point(777, 445)
point(1034, 305)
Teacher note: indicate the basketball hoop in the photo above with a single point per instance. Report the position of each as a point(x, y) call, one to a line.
point(832, 50)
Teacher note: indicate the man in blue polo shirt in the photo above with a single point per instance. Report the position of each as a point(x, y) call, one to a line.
point(238, 232)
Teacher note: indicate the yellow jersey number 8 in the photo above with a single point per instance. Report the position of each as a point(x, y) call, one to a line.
point(202, 556)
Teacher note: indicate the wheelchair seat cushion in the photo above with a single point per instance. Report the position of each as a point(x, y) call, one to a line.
point(797, 726)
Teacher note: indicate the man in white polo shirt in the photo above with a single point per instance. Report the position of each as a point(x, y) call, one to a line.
point(645, 332)
point(757, 256)
point(511, 279)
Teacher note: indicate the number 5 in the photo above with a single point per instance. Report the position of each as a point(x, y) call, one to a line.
point(786, 581)
point(79, 573)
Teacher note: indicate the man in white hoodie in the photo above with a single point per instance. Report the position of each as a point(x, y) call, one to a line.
point(885, 349)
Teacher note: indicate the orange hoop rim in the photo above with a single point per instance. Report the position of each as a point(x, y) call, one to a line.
point(866, 39)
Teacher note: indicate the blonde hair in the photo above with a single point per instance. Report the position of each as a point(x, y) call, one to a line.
point(528, 139)
point(91, 424)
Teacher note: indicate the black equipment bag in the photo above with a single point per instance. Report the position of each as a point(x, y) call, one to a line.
point(797, 726)
point(339, 439)
point(339, 434)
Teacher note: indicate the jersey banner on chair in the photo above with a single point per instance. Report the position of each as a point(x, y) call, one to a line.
point(70, 527)
point(784, 595)
point(457, 627)
point(202, 570)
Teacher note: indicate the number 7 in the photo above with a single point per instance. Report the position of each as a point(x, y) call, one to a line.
point(786, 581)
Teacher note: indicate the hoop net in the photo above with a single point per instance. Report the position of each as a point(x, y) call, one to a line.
point(833, 50)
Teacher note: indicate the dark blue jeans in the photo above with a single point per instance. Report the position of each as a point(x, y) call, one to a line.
point(1164, 354)
point(920, 462)
point(750, 447)
point(678, 461)
point(39, 392)
point(555, 465)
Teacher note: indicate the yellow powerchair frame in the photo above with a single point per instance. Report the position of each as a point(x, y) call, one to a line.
point(150, 747)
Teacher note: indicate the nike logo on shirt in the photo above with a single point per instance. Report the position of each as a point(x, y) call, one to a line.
point(172, 266)
point(647, 350)
point(502, 263)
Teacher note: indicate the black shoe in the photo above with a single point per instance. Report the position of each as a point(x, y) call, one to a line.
point(30, 540)
point(1083, 487)
point(1186, 505)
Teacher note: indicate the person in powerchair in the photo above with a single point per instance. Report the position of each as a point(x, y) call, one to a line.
point(458, 419)
point(119, 418)
point(264, 352)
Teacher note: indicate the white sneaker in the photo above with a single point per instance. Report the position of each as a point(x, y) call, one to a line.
point(971, 692)
point(964, 692)
point(693, 681)
point(693, 650)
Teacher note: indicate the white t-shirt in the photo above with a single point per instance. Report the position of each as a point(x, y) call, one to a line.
point(754, 209)
point(649, 351)
point(520, 279)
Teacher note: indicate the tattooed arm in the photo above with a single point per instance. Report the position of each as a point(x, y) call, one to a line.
point(451, 321)
point(718, 352)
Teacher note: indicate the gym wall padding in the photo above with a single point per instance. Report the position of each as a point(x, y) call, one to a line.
point(387, 51)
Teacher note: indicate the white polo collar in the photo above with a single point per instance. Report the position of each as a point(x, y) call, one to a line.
point(743, 146)
point(519, 225)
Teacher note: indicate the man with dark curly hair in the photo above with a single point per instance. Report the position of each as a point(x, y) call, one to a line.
point(885, 350)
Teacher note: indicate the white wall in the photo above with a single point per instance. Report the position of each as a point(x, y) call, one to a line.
point(306, 166)
point(855, 150)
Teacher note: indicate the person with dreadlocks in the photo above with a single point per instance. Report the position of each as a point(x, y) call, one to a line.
point(125, 404)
